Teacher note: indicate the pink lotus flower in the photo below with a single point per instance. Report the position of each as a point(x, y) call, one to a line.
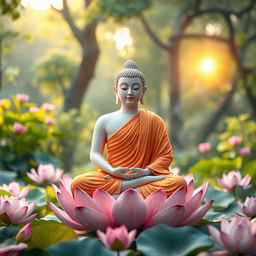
point(12, 250)
point(15, 211)
point(235, 140)
point(101, 211)
point(22, 97)
point(204, 147)
point(24, 234)
point(15, 189)
point(34, 109)
point(48, 107)
point(117, 239)
point(46, 173)
point(232, 179)
point(245, 151)
point(249, 207)
point(19, 128)
point(237, 235)
point(49, 121)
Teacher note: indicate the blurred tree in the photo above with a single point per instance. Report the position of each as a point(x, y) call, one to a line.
point(238, 23)
point(9, 73)
point(54, 72)
point(11, 8)
point(95, 12)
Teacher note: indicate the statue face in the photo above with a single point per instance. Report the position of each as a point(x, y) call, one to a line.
point(129, 90)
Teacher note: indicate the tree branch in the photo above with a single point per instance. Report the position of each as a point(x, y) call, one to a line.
point(152, 34)
point(66, 15)
point(246, 9)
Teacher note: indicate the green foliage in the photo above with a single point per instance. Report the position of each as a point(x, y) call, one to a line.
point(101, 10)
point(10, 8)
point(163, 240)
point(76, 129)
point(53, 72)
point(88, 247)
point(18, 149)
point(6, 176)
point(48, 232)
point(227, 157)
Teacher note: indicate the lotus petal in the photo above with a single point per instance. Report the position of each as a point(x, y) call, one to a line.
point(92, 219)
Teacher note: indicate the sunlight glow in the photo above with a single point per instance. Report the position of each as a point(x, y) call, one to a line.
point(213, 29)
point(123, 40)
point(207, 65)
point(42, 5)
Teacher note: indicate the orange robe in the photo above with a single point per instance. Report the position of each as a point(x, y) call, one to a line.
point(141, 142)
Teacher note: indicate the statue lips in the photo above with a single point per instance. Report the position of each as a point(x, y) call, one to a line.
point(130, 98)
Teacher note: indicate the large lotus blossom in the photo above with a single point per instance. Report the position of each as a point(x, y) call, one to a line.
point(15, 189)
point(237, 235)
point(15, 211)
point(232, 179)
point(25, 233)
point(12, 250)
point(100, 211)
point(46, 173)
point(249, 207)
point(117, 239)
point(204, 147)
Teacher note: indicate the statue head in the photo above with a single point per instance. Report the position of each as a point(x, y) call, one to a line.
point(130, 70)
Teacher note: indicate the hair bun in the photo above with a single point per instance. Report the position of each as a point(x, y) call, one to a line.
point(130, 64)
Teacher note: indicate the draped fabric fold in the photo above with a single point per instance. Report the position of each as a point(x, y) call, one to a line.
point(141, 142)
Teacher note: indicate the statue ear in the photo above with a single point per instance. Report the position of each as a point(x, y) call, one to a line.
point(141, 99)
point(117, 99)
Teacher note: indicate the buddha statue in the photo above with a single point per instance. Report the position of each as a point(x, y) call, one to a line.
point(139, 152)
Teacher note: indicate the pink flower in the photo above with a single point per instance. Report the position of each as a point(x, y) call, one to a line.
point(34, 109)
point(237, 235)
point(232, 179)
point(49, 121)
point(46, 173)
point(204, 147)
point(12, 250)
point(249, 207)
point(48, 107)
point(100, 211)
point(22, 97)
point(25, 233)
point(245, 151)
point(117, 239)
point(235, 140)
point(15, 189)
point(15, 211)
point(19, 128)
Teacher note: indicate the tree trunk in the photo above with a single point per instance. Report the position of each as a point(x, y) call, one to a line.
point(74, 95)
point(214, 119)
point(175, 101)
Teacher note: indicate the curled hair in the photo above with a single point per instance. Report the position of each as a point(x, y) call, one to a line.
point(130, 70)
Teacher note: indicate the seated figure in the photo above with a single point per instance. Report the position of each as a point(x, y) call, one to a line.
point(138, 148)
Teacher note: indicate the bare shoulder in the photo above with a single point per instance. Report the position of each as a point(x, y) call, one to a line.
point(103, 120)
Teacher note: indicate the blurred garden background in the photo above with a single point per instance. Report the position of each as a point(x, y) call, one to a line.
point(58, 59)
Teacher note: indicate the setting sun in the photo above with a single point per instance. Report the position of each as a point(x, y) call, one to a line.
point(207, 65)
